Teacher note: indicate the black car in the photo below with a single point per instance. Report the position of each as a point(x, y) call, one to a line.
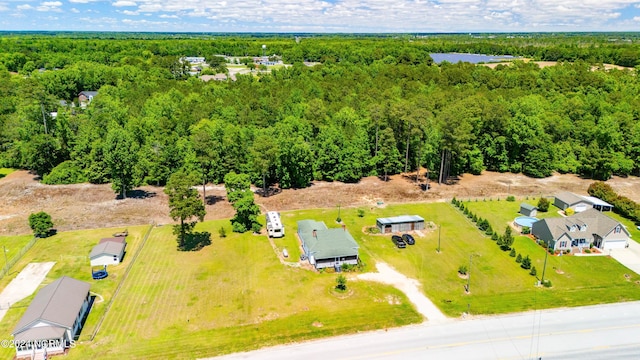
point(398, 241)
point(408, 239)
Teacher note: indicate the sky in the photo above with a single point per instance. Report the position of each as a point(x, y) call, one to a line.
point(328, 16)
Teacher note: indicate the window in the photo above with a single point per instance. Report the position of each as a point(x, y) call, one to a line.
point(563, 244)
point(617, 230)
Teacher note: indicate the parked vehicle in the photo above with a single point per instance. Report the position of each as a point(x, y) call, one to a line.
point(398, 241)
point(408, 239)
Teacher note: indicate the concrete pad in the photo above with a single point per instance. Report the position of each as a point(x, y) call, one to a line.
point(23, 285)
point(629, 257)
point(411, 287)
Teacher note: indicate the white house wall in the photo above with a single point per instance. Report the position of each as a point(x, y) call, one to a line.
point(105, 260)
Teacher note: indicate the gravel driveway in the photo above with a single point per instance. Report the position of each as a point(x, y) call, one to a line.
point(410, 287)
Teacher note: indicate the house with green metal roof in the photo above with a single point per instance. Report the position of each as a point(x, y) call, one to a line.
point(326, 247)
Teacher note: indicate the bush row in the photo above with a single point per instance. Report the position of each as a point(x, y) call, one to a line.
point(621, 204)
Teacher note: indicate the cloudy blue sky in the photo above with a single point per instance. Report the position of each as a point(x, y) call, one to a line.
point(321, 16)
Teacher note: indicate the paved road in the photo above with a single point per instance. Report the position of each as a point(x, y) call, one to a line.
point(593, 332)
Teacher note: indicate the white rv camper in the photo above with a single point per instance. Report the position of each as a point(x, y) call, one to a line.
point(274, 225)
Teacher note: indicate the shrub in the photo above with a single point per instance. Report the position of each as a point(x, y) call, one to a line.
point(256, 227)
point(41, 224)
point(360, 213)
point(222, 232)
point(519, 259)
point(462, 269)
point(587, 251)
point(526, 230)
point(489, 231)
point(533, 271)
point(511, 198)
point(67, 172)
point(547, 283)
point(238, 227)
point(543, 204)
point(512, 253)
point(569, 211)
point(526, 263)
point(341, 283)
point(495, 236)
point(373, 230)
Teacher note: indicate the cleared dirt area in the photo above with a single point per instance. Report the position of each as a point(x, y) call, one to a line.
point(87, 206)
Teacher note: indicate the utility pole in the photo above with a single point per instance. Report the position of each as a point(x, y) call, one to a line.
point(6, 262)
point(469, 275)
point(439, 228)
point(544, 267)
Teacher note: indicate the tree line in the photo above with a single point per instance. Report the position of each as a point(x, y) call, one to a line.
point(374, 106)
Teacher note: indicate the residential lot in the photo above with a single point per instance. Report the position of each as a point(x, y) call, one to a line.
point(236, 294)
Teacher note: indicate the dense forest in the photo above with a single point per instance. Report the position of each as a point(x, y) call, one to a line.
point(371, 105)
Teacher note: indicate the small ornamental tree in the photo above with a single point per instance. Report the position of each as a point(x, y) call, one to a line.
point(543, 204)
point(462, 269)
point(341, 283)
point(533, 271)
point(513, 252)
point(526, 263)
point(519, 259)
point(41, 224)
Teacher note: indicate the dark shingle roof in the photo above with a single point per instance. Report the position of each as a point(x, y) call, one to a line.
point(57, 304)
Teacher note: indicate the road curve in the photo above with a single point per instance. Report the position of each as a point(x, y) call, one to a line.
point(593, 332)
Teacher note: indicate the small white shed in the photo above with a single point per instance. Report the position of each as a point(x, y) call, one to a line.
point(107, 253)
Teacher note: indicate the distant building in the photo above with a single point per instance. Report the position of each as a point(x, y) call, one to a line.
point(193, 59)
point(53, 319)
point(400, 224)
point(579, 203)
point(85, 98)
point(327, 247)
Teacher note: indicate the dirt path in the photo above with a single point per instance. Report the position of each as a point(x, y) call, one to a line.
point(88, 206)
point(23, 285)
point(410, 287)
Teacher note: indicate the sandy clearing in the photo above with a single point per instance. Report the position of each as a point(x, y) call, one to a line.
point(410, 287)
point(23, 285)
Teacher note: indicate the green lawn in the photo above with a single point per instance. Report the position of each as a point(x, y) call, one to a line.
point(232, 295)
point(70, 251)
point(235, 295)
point(12, 245)
point(5, 171)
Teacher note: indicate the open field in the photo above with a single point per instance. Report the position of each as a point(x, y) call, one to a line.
point(90, 206)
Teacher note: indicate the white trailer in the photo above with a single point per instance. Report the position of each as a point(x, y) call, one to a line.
point(274, 225)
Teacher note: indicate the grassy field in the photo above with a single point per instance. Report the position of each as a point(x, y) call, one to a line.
point(232, 295)
point(70, 251)
point(235, 295)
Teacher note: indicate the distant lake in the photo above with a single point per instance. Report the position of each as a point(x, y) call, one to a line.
point(470, 58)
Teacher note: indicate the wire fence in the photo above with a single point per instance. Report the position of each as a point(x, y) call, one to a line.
point(9, 264)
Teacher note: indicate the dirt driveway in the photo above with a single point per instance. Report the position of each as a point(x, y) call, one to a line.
point(87, 206)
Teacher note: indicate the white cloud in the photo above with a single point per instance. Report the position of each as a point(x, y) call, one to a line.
point(4, 7)
point(120, 3)
point(49, 6)
point(24, 7)
point(74, 10)
point(370, 15)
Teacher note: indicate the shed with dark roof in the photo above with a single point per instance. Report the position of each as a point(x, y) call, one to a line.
point(53, 318)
